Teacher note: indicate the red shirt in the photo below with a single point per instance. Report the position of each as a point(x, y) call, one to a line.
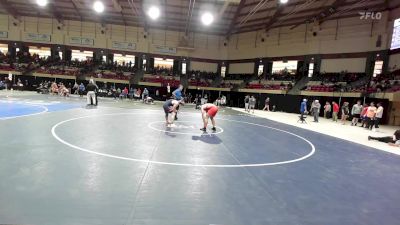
point(364, 111)
point(335, 107)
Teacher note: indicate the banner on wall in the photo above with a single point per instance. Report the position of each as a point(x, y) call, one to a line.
point(3, 34)
point(38, 37)
point(87, 41)
point(164, 49)
point(81, 41)
point(123, 45)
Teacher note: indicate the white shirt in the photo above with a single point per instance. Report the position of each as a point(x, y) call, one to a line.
point(379, 112)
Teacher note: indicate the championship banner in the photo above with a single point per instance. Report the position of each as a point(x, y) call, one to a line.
point(164, 49)
point(123, 45)
point(81, 41)
point(38, 37)
point(87, 41)
point(3, 34)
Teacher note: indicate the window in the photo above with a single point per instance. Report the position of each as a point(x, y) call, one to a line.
point(81, 55)
point(396, 35)
point(378, 68)
point(184, 68)
point(125, 59)
point(260, 70)
point(163, 63)
point(144, 65)
point(4, 48)
point(223, 71)
point(311, 70)
point(41, 52)
point(284, 67)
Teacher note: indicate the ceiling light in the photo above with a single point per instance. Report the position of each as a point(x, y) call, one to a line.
point(153, 12)
point(207, 18)
point(283, 1)
point(98, 6)
point(41, 3)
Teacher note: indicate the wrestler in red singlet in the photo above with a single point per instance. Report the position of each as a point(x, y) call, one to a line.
point(209, 111)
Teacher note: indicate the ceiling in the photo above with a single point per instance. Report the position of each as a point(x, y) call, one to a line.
point(232, 16)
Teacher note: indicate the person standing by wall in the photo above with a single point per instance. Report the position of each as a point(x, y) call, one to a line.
point(168, 90)
point(378, 116)
point(303, 109)
point(266, 107)
point(371, 111)
point(327, 110)
point(246, 103)
point(355, 113)
point(252, 103)
point(363, 115)
point(335, 107)
point(345, 112)
point(81, 89)
point(315, 109)
point(145, 94)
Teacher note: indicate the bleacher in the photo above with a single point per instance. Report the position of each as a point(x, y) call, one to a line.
point(163, 80)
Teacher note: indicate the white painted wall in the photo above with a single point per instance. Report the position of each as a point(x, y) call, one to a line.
point(356, 65)
point(241, 68)
point(351, 35)
point(205, 46)
point(203, 66)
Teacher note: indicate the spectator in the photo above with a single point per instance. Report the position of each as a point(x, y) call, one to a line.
point(378, 116)
point(345, 112)
point(327, 110)
point(355, 113)
point(246, 103)
point(223, 100)
point(252, 103)
point(75, 88)
point(363, 115)
point(315, 109)
point(145, 94)
point(335, 111)
point(371, 112)
point(266, 107)
point(177, 94)
point(81, 89)
point(303, 109)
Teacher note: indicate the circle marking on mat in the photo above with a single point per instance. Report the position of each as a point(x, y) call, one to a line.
point(151, 126)
point(55, 135)
point(45, 109)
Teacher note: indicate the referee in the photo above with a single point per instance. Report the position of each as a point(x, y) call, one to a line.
point(177, 95)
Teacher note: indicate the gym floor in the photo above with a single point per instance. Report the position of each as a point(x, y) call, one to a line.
point(64, 163)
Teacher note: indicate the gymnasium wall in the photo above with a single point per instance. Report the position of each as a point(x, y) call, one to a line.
point(203, 66)
point(204, 46)
point(241, 68)
point(336, 36)
point(355, 65)
point(333, 36)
